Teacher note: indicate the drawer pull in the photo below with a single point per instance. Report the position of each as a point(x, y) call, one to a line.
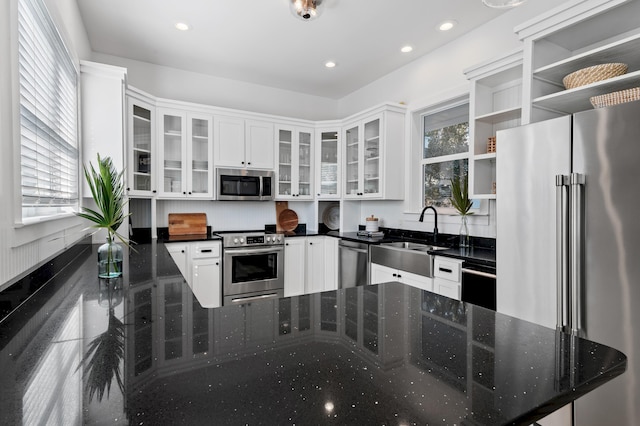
point(447, 270)
point(206, 251)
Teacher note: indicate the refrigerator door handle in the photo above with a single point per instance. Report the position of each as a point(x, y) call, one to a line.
point(576, 247)
point(562, 255)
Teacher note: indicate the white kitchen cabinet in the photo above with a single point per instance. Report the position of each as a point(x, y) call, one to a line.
point(200, 264)
point(327, 164)
point(584, 34)
point(321, 265)
point(382, 274)
point(295, 159)
point(241, 143)
point(447, 277)
point(495, 104)
point(294, 266)
point(185, 154)
point(141, 145)
point(373, 154)
point(311, 265)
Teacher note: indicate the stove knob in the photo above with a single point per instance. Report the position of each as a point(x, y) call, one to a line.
point(241, 240)
point(235, 241)
point(279, 238)
point(269, 239)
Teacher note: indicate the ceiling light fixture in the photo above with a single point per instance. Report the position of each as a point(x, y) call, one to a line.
point(502, 4)
point(182, 26)
point(447, 25)
point(406, 49)
point(330, 64)
point(307, 10)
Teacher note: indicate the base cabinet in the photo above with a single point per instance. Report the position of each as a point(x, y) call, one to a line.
point(311, 265)
point(381, 274)
point(201, 266)
point(447, 273)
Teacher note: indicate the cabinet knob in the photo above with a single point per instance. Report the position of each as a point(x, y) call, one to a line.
point(395, 275)
point(184, 193)
point(286, 244)
point(189, 192)
point(154, 191)
point(310, 244)
point(318, 194)
point(399, 276)
point(243, 162)
point(182, 251)
point(128, 189)
point(217, 263)
point(249, 163)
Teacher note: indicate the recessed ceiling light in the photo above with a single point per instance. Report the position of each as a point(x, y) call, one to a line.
point(406, 49)
point(182, 26)
point(447, 25)
point(330, 64)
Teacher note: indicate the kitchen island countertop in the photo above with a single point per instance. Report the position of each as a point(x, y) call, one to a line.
point(382, 354)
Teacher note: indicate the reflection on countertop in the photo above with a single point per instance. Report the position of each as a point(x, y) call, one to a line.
point(386, 353)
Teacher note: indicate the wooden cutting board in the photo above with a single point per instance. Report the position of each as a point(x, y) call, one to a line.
point(187, 224)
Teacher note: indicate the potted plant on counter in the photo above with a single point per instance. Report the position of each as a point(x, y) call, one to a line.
point(107, 188)
point(461, 202)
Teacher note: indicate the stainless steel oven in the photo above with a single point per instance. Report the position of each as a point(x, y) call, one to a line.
point(253, 267)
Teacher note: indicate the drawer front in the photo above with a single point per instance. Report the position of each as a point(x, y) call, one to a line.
point(206, 250)
point(448, 269)
point(447, 288)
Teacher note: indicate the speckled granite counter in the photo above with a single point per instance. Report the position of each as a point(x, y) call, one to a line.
point(384, 354)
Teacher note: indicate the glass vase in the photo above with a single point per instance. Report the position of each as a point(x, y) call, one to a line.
point(464, 232)
point(109, 259)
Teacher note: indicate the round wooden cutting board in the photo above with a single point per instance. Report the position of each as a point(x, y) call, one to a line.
point(288, 220)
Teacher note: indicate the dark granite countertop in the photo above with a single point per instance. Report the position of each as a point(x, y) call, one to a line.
point(382, 354)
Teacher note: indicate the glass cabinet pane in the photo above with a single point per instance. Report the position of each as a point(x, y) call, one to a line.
point(141, 149)
point(173, 161)
point(351, 137)
point(372, 157)
point(200, 147)
point(329, 163)
point(285, 138)
point(304, 163)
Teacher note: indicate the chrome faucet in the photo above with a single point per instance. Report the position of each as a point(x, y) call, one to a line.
point(435, 220)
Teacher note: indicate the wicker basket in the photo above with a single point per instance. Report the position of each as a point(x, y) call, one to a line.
point(491, 144)
point(592, 74)
point(615, 98)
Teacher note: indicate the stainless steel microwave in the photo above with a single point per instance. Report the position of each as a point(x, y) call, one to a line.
point(245, 185)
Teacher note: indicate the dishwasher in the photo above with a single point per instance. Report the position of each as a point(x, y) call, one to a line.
point(479, 284)
point(353, 264)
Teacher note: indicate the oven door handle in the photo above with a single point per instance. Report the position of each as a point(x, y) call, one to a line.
point(253, 250)
point(238, 300)
point(480, 273)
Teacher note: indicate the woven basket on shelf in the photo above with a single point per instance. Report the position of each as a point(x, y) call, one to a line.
point(615, 98)
point(592, 74)
point(491, 144)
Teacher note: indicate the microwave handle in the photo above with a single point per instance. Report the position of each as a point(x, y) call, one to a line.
point(261, 186)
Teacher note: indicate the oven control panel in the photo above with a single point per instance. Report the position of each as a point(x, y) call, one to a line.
point(252, 240)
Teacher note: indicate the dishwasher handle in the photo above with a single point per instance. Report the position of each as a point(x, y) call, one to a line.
point(480, 273)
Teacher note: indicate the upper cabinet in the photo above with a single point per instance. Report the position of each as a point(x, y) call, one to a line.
point(241, 143)
point(295, 157)
point(185, 154)
point(141, 143)
point(584, 34)
point(373, 154)
point(328, 154)
point(495, 104)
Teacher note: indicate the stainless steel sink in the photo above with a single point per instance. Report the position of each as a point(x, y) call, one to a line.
point(405, 256)
point(407, 245)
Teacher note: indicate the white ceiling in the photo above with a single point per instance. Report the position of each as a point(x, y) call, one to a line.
point(260, 41)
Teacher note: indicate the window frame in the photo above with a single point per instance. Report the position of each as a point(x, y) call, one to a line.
point(482, 206)
point(67, 212)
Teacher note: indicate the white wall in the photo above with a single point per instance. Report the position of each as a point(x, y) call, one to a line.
point(172, 83)
point(21, 249)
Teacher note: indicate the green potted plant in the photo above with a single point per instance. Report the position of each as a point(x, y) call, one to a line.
point(107, 188)
point(461, 202)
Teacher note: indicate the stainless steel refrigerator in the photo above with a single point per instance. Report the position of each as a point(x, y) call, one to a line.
point(568, 212)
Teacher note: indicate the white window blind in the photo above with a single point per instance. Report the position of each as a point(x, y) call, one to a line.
point(48, 115)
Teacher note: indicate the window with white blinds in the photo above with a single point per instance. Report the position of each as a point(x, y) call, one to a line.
point(48, 116)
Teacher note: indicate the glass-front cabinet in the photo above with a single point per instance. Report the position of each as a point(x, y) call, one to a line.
point(295, 156)
point(363, 158)
point(186, 167)
point(141, 137)
point(328, 161)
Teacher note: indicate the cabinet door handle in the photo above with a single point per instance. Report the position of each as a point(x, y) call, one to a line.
point(154, 191)
point(399, 276)
point(447, 270)
point(395, 275)
point(206, 251)
point(249, 163)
